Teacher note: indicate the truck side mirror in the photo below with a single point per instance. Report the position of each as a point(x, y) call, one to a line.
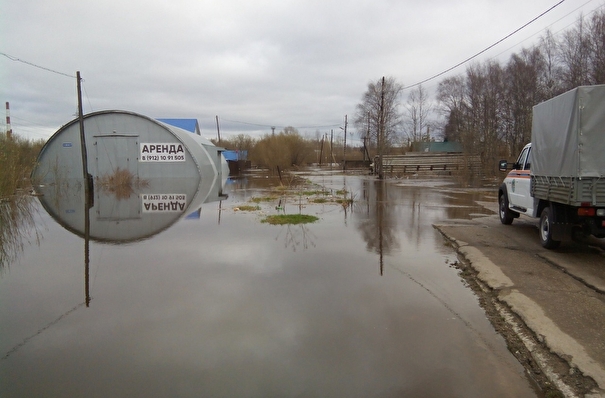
point(503, 165)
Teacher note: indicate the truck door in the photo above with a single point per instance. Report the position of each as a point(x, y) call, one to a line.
point(519, 189)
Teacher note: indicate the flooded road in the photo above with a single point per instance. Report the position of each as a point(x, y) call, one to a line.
point(364, 302)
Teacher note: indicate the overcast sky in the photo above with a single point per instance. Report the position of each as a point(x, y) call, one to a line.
point(255, 64)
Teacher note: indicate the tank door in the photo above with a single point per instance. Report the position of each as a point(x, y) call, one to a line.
point(116, 174)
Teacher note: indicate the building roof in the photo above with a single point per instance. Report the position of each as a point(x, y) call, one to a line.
point(235, 155)
point(190, 125)
point(449, 147)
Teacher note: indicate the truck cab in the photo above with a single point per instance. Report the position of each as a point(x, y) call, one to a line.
point(517, 184)
point(515, 197)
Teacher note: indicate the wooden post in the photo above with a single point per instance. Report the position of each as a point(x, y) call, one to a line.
point(88, 202)
point(88, 183)
point(321, 149)
point(9, 129)
point(81, 121)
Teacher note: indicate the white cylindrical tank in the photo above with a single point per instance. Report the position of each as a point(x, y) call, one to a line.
point(146, 174)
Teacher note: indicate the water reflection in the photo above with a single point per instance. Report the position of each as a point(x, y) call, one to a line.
point(119, 213)
point(296, 237)
point(17, 227)
point(197, 306)
point(394, 215)
point(378, 227)
point(116, 217)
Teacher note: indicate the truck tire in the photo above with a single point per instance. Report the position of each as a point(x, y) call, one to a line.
point(546, 221)
point(506, 215)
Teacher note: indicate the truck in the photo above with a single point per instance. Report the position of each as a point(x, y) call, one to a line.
point(559, 177)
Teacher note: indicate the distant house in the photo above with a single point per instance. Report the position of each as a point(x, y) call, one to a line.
point(190, 125)
point(447, 147)
point(236, 160)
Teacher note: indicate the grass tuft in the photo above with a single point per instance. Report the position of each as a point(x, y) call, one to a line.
point(282, 219)
point(248, 208)
point(263, 199)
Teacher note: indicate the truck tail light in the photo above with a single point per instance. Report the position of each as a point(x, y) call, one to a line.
point(586, 211)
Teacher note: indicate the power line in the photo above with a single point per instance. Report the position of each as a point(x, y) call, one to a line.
point(484, 50)
point(36, 66)
point(549, 26)
point(87, 96)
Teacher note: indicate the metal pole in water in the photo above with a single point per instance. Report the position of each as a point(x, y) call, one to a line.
point(87, 193)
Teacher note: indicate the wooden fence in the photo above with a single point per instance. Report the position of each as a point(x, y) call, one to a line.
point(425, 164)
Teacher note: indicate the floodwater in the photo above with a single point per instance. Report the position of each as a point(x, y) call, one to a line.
point(364, 302)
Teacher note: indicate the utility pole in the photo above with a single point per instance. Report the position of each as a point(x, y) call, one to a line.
point(88, 196)
point(381, 132)
point(9, 129)
point(218, 130)
point(344, 152)
point(82, 138)
point(331, 147)
point(321, 149)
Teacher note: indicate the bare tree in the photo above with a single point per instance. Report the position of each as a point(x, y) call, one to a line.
point(417, 124)
point(596, 39)
point(243, 142)
point(550, 82)
point(284, 150)
point(575, 54)
point(482, 112)
point(494, 100)
point(450, 95)
point(377, 98)
point(489, 110)
point(522, 91)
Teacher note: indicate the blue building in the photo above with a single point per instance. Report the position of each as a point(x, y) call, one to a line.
point(237, 160)
point(190, 125)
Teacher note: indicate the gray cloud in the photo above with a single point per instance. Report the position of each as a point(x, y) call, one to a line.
point(299, 63)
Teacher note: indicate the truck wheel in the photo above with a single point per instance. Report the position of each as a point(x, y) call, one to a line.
point(506, 215)
point(546, 222)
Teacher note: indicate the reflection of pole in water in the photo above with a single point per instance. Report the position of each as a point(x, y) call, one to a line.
point(87, 206)
point(345, 191)
point(381, 258)
point(88, 203)
point(87, 265)
point(380, 214)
